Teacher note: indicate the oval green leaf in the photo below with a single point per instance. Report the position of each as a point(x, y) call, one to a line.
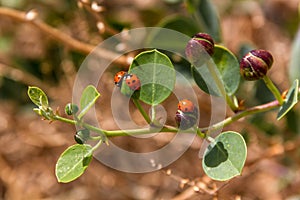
point(225, 157)
point(37, 96)
point(206, 17)
point(157, 75)
point(229, 72)
point(73, 162)
point(290, 101)
point(88, 99)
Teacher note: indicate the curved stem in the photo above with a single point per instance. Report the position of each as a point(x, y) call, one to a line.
point(142, 111)
point(66, 120)
point(219, 125)
point(200, 133)
point(97, 145)
point(117, 132)
point(269, 83)
point(249, 111)
point(220, 86)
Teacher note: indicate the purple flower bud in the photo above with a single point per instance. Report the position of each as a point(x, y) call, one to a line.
point(199, 49)
point(255, 64)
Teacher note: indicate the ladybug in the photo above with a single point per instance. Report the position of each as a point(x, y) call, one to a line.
point(186, 106)
point(119, 78)
point(132, 81)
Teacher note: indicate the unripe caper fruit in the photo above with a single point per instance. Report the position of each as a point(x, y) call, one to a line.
point(199, 49)
point(255, 64)
point(82, 136)
point(71, 109)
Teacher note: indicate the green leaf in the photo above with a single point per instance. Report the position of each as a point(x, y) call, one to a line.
point(290, 101)
point(173, 1)
point(176, 28)
point(181, 24)
point(73, 162)
point(225, 157)
point(157, 75)
point(37, 96)
point(294, 65)
point(229, 72)
point(88, 99)
point(205, 14)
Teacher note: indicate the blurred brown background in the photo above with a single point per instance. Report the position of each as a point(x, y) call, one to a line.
point(29, 147)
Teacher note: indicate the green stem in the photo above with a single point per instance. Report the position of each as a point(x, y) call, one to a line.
point(142, 111)
point(116, 132)
point(219, 125)
point(200, 133)
point(136, 132)
point(220, 86)
point(273, 89)
point(97, 145)
point(249, 111)
point(66, 120)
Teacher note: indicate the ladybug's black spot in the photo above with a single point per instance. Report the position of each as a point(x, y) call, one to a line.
point(133, 81)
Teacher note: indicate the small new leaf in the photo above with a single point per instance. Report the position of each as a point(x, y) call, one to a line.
point(290, 101)
point(73, 162)
point(88, 99)
point(37, 96)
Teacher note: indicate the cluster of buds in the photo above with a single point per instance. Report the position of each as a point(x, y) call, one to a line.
point(253, 66)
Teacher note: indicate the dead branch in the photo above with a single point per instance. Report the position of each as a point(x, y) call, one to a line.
point(59, 36)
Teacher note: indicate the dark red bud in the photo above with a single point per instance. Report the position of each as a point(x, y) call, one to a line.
point(255, 64)
point(82, 136)
point(186, 120)
point(199, 49)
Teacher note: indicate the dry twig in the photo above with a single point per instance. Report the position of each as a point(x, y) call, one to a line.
point(60, 36)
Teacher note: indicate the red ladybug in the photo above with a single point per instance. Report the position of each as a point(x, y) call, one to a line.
point(119, 78)
point(132, 81)
point(186, 106)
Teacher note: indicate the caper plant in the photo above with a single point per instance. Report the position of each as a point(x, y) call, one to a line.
point(225, 156)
